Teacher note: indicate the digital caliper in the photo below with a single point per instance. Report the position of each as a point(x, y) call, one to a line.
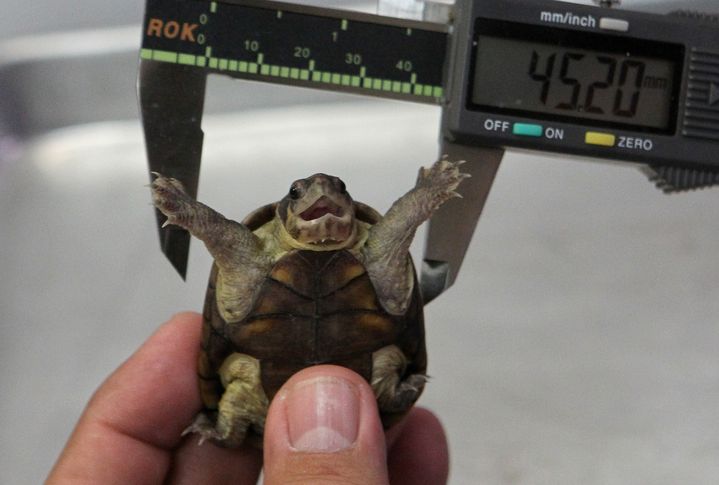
point(533, 74)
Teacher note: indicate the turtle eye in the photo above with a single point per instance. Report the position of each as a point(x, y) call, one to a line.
point(295, 192)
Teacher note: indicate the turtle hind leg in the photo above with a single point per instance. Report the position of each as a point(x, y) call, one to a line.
point(394, 393)
point(242, 405)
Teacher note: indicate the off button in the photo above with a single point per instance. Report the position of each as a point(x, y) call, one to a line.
point(601, 139)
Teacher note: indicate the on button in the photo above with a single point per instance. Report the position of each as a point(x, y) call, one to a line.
point(527, 129)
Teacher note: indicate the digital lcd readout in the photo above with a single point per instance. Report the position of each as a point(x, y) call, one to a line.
point(613, 86)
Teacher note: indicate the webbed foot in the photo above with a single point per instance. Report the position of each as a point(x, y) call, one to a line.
point(243, 404)
point(394, 394)
point(438, 183)
point(203, 426)
point(170, 197)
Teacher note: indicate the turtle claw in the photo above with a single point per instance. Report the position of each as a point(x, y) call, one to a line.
point(169, 196)
point(441, 180)
point(404, 395)
point(394, 394)
point(409, 389)
point(203, 427)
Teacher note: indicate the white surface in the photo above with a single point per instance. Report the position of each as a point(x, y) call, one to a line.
point(579, 344)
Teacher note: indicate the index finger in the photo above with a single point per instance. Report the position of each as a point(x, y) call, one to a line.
point(136, 417)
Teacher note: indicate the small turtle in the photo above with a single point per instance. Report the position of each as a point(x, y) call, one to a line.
point(315, 278)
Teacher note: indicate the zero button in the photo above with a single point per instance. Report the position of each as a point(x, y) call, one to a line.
point(598, 138)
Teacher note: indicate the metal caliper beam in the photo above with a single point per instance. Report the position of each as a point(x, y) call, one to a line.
point(172, 98)
point(452, 226)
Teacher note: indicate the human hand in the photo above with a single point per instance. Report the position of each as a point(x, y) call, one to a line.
point(130, 430)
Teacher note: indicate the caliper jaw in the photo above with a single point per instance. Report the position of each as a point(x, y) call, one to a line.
point(452, 226)
point(172, 98)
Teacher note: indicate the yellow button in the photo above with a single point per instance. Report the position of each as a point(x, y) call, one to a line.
point(597, 138)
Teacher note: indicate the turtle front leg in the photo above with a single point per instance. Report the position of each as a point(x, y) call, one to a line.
point(237, 251)
point(386, 253)
point(231, 244)
point(243, 404)
point(394, 394)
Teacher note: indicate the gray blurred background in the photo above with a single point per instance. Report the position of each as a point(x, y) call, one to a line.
point(579, 344)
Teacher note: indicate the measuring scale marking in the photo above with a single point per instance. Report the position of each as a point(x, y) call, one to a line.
point(299, 45)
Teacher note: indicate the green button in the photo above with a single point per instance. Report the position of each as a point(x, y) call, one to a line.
point(527, 129)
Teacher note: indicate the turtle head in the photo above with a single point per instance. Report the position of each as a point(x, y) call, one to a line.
point(318, 213)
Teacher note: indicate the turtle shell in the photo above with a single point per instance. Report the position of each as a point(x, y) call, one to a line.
point(315, 307)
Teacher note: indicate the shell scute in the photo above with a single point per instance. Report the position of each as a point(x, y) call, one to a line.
point(341, 335)
point(280, 337)
point(278, 297)
point(275, 373)
point(353, 295)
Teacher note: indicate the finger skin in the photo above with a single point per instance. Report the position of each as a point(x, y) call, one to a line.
point(363, 463)
point(208, 463)
point(135, 418)
point(134, 422)
point(420, 454)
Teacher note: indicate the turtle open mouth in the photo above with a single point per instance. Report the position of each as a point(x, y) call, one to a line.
point(320, 208)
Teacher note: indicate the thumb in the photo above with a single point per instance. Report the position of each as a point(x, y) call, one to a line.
point(323, 427)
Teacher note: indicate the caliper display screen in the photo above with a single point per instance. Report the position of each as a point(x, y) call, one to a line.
point(575, 76)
